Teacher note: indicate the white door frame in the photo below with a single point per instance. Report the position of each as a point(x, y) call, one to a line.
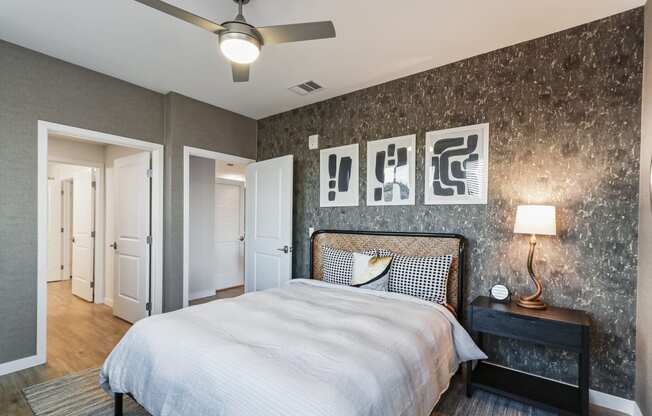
point(46, 128)
point(206, 154)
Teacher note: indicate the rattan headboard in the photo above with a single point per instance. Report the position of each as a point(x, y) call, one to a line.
point(409, 244)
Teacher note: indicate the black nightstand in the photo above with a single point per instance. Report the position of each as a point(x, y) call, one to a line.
point(563, 328)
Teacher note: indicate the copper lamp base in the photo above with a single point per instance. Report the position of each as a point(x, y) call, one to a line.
point(532, 301)
point(531, 304)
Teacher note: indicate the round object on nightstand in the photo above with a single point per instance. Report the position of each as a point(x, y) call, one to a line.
point(500, 293)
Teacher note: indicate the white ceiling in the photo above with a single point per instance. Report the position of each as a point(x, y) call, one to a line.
point(377, 40)
point(232, 171)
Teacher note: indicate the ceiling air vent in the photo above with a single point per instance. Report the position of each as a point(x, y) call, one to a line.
point(306, 88)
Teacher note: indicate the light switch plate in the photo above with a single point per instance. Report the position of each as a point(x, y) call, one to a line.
point(313, 141)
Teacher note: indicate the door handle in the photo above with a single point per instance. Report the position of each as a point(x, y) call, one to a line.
point(114, 245)
point(285, 249)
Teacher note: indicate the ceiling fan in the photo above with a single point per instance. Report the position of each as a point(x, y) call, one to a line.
point(240, 42)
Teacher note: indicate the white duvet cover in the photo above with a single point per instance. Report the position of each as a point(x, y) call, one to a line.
point(310, 348)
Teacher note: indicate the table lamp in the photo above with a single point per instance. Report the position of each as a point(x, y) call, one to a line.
point(533, 220)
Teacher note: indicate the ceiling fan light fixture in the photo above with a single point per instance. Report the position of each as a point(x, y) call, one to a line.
point(239, 47)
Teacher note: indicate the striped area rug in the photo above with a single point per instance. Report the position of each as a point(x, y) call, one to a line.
point(76, 395)
point(80, 395)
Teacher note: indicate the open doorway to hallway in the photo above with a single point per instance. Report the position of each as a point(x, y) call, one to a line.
point(100, 210)
point(94, 187)
point(213, 226)
point(217, 215)
point(98, 282)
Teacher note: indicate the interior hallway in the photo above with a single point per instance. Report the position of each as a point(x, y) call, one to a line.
point(80, 336)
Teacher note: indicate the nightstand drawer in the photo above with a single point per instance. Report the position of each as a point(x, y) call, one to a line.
point(527, 328)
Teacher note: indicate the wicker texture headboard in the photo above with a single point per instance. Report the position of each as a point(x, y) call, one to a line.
point(408, 244)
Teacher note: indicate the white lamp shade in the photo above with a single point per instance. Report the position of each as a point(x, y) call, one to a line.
point(535, 219)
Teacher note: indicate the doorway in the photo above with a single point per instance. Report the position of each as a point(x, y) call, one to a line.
point(266, 196)
point(100, 234)
point(223, 274)
point(215, 212)
point(72, 196)
point(229, 231)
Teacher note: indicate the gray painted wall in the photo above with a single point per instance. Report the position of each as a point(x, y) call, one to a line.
point(37, 87)
point(192, 123)
point(565, 129)
point(644, 290)
point(202, 228)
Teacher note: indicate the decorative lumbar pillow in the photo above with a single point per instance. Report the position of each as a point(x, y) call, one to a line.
point(423, 277)
point(337, 265)
point(370, 272)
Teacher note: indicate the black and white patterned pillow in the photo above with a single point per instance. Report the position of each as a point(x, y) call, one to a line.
point(337, 265)
point(422, 277)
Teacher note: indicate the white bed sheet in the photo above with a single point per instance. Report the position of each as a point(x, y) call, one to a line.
point(310, 348)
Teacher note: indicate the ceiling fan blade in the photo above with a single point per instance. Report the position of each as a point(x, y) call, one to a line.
point(240, 72)
point(183, 15)
point(297, 32)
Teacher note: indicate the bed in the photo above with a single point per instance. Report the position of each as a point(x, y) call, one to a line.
point(310, 348)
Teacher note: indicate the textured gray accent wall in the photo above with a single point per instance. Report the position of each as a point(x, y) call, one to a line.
point(565, 115)
point(189, 122)
point(644, 290)
point(36, 87)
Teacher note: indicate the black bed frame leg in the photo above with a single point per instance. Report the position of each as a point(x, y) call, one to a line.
point(117, 404)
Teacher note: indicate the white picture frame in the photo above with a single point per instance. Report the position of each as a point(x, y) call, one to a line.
point(339, 180)
point(393, 183)
point(457, 165)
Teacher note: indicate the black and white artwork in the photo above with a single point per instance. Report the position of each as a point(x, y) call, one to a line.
point(457, 162)
point(390, 171)
point(339, 177)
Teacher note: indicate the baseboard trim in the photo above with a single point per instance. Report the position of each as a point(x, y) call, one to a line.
point(20, 364)
point(230, 287)
point(611, 402)
point(108, 301)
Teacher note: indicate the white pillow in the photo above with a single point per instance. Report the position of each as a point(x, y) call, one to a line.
point(370, 272)
point(337, 265)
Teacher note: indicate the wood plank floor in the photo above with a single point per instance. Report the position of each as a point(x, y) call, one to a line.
point(80, 336)
point(220, 294)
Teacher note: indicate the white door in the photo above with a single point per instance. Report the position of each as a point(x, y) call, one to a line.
point(132, 212)
point(229, 233)
point(268, 230)
point(54, 231)
point(83, 234)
